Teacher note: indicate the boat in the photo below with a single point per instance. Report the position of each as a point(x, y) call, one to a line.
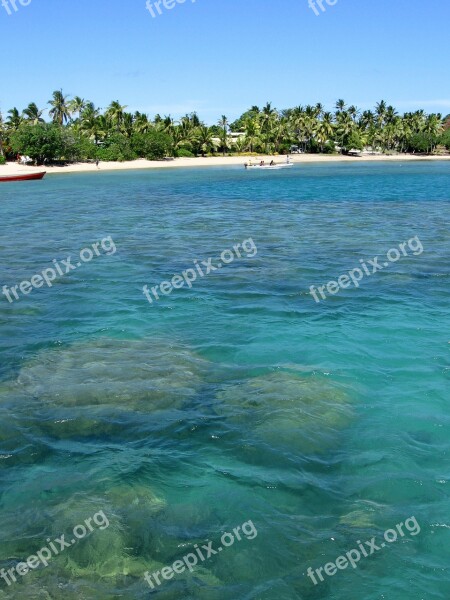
point(271, 167)
point(23, 177)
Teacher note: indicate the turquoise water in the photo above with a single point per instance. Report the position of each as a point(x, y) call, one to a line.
point(239, 399)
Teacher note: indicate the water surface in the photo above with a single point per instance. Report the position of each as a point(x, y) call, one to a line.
point(239, 399)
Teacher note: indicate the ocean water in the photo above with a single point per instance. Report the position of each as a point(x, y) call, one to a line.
point(238, 400)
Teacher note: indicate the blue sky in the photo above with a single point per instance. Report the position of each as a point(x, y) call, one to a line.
point(222, 56)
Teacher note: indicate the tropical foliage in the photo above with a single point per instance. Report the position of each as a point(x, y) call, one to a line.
point(78, 130)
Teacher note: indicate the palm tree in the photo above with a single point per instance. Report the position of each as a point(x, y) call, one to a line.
point(318, 109)
point(92, 123)
point(268, 114)
point(223, 124)
point(184, 134)
point(433, 127)
point(2, 135)
point(141, 122)
point(269, 121)
point(182, 138)
point(340, 106)
point(310, 125)
point(33, 114)
point(326, 129)
point(114, 114)
point(194, 120)
point(165, 125)
point(14, 120)
point(89, 111)
point(390, 114)
point(388, 135)
point(353, 112)
point(60, 108)
point(380, 111)
point(77, 105)
point(404, 133)
point(205, 139)
point(367, 119)
point(366, 124)
point(187, 128)
point(321, 136)
point(127, 124)
point(345, 127)
point(279, 133)
point(252, 133)
point(240, 144)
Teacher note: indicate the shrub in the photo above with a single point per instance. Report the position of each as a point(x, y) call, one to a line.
point(445, 139)
point(329, 148)
point(422, 142)
point(153, 145)
point(116, 148)
point(45, 141)
point(84, 149)
point(113, 153)
point(352, 141)
point(2, 160)
point(183, 153)
point(313, 147)
point(284, 148)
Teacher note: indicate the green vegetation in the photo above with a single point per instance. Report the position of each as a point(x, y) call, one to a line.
point(43, 141)
point(80, 131)
point(445, 138)
point(184, 153)
point(153, 145)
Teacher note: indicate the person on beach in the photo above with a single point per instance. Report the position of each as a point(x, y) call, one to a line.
point(96, 163)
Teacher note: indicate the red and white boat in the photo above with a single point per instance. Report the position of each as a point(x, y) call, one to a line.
point(23, 177)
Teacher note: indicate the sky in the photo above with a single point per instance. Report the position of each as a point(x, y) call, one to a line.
point(219, 57)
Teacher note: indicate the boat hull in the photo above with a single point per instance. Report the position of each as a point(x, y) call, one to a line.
point(270, 168)
point(23, 177)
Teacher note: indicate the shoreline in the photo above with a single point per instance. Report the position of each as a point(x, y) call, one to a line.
point(143, 164)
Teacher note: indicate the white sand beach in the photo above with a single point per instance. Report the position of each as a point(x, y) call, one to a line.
point(217, 161)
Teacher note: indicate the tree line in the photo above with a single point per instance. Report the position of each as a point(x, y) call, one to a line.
point(78, 130)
